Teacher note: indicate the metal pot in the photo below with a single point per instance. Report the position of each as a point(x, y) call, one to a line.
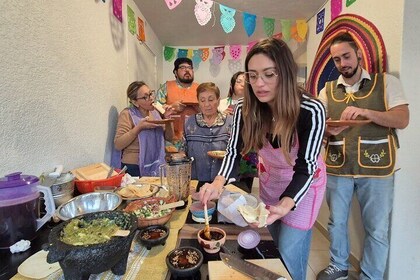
point(62, 187)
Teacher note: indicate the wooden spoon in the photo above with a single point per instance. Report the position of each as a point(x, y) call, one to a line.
point(171, 205)
point(206, 227)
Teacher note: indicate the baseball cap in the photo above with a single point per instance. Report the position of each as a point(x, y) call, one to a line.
point(181, 60)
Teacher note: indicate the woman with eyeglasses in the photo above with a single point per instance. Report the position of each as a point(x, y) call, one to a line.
point(141, 141)
point(236, 91)
point(285, 126)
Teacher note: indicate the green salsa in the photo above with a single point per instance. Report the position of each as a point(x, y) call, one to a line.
point(80, 232)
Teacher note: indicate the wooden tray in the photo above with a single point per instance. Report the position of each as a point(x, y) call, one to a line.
point(347, 122)
point(96, 171)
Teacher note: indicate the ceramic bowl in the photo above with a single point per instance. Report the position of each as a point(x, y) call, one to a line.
point(88, 203)
point(153, 235)
point(184, 262)
point(197, 210)
point(150, 202)
point(218, 239)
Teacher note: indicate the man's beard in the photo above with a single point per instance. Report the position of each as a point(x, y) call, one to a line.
point(350, 75)
point(186, 80)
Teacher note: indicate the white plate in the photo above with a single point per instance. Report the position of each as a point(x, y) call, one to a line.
point(37, 267)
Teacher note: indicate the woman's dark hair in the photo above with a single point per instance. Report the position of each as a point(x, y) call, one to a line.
point(233, 82)
point(132, 89)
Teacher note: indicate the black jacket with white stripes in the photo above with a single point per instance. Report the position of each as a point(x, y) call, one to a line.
point(310, 129)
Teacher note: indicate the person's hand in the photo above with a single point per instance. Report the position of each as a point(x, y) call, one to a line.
point(228, 111)
point(144, 124)
point(169, 111)
point(281, 209)
point(334, 130)
point(351, 113)
point(212, 190)
point(178, 106)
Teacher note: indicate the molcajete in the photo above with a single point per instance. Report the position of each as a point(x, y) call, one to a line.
point(79, 262)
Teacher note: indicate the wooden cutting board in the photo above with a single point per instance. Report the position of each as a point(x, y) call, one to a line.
point(220, 271)
point(96, 171)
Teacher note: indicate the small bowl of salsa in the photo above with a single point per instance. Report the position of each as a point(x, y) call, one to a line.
point(213, 245)
point(153, 235)
point(184, 262)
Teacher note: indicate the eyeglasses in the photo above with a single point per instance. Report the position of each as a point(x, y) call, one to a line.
point(239, 81)
point(268, 77)
point(183, 67)
point(147, 96)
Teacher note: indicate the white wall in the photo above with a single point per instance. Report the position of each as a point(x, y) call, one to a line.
point(402, 44)
point(64, 75)
point(223, 76)
point(405, 236)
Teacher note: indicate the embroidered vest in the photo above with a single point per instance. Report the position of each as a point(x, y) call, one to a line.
point(366, 150)
point(189, 97)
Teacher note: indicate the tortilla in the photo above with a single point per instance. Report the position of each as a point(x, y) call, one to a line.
point(254, 215)
point(133, 191)
point(36, 266)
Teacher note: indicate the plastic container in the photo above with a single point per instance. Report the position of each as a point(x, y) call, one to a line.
point(86, 186)
point(19, 197)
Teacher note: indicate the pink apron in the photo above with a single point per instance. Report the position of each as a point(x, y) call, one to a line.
point(275, 175)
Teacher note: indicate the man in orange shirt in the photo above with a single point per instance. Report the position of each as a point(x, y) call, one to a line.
point(180, 94)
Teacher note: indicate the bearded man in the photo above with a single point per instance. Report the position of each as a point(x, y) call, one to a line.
point(360, 159)
point(180, 95)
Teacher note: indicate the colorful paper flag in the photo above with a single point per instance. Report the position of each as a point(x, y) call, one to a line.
point(235, 51)
point(268, 26)
point(302, 28)
point(172, 4)
point(349, 2)
point(131, 20)
point(226, 19)
point(142, 35)
point(182, 52)
point(320, 21)
point(117, 9)
point(336, 8)
point(169, 53)
point(285, 29)
point(249, 22)
point(202, 11)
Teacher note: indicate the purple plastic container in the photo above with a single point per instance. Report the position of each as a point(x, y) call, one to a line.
point(18, 208)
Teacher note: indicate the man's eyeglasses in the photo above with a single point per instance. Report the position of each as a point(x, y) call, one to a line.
point(183, 67)
point(268, 77)
point(147, 96)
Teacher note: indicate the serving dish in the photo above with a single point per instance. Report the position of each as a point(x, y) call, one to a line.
point(162, 121)
point(347, 122)
point(88, 203)
point(217, 154)
point(148, 213)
